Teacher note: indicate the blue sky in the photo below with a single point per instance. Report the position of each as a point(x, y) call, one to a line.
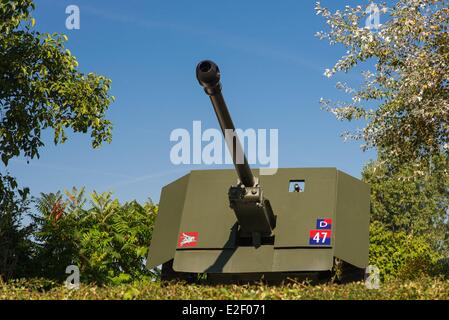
point(272, 73)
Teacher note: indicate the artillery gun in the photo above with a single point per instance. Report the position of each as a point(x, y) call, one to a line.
point(305, 222)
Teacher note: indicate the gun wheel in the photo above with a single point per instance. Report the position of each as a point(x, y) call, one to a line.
point(168, 274)
point(344, 272)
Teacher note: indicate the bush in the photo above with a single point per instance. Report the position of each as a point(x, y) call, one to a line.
point(400, 255)
point(108, 242)
point(417, 205)
point(442, 268)
point(15, 243)
point(422, 288)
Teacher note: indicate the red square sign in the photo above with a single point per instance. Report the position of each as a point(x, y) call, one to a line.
point(187, 239)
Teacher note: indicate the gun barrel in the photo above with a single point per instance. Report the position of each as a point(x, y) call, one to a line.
point(208, 75)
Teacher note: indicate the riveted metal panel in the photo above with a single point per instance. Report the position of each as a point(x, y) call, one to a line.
point(241, 259)
point(164, 238)
point(297, 213)
point(352, 226)
point(250, 259)
point(206, 210)
point(303, 259)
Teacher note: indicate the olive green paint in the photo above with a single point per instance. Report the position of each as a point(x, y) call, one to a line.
point(198, 202)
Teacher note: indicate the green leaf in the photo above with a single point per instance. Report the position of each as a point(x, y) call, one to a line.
point(5, 159)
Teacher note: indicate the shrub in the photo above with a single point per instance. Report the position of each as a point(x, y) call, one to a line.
point(108, 242)
point(415, 205)
point(400, 255)
point(442, 268)
point(15, 243)
point(422, 288)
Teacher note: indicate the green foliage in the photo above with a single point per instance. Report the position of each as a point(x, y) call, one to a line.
point(108, 241)
point(400, 255)
point(417, 205)
point(409, 79)
point(422, 288)
point(56, 242)
point(40, 87)
point(442, 268)
point(15, 244)
point(403, 103)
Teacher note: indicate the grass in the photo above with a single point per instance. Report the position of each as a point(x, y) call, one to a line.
point(423, 288)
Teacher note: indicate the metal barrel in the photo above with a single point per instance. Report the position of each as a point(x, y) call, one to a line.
point(208, 75)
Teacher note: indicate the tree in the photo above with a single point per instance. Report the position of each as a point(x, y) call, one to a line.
point(15, 244)
point(40, 88)
point(409, 80)
point(415, 205)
